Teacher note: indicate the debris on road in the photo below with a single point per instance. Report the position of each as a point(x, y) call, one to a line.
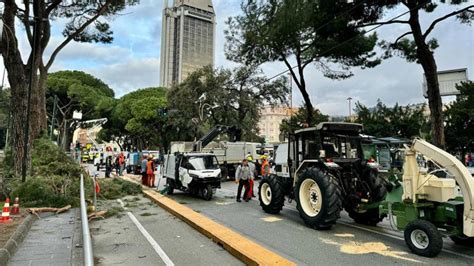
point(35, 211)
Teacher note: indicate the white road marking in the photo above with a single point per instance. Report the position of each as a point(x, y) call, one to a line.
point(148, 237)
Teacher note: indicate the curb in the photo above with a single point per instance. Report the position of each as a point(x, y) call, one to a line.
point(16, 239)
point(239, 246)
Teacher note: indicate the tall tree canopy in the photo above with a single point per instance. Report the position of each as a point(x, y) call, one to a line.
point(397, 121)
point(460, 120)
point(416, 45)
point(232, 97)
point(318, 33)
point(76, 90)
point(135, 121)
point(85, 21)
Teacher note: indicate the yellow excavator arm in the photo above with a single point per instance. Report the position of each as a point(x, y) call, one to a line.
point(417, 185)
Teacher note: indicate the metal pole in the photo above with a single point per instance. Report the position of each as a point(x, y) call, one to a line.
point(54, 116)
point(86, 237)
point(28, 107)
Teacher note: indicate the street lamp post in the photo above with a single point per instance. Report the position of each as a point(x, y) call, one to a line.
point(201, 109)
point(350, 108)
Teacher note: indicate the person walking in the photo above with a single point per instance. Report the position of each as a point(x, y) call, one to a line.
point(121, 163)
point(143, 170)
point(254, 172)
point(150, 171)
point(116, 164)
point(242, 177)
point(108, 166)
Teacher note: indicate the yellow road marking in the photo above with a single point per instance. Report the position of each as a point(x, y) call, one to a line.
point(242, 248)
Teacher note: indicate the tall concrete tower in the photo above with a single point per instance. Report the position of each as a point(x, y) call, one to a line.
point(187, 39)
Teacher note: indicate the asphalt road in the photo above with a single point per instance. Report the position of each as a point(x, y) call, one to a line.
point(347, 242)
point(121, 240)
point(286, 234)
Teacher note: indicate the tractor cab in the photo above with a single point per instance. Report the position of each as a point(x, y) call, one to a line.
point(333, 144)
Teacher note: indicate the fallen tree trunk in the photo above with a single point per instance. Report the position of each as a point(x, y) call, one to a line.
point(48, 209)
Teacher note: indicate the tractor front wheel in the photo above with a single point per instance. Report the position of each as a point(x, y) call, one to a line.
point(318, 197)
point(423, 238)
point(271, 194)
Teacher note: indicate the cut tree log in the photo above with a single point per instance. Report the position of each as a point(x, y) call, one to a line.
point(48, 209)
point(96, 215)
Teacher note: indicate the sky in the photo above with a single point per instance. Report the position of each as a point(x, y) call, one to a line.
point(132, 61)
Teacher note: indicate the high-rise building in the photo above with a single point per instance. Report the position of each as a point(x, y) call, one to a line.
point(187, 39)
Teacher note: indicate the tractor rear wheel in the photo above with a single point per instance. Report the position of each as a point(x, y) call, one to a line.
point(463, 240)
point(271, 194)
point(367, 217)
point(318, 197)
point(378, 193)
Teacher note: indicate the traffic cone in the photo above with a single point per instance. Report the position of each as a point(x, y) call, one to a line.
point(6, 212)
point(16, 207)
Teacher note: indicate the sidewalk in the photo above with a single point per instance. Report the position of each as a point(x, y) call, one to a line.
point(52, 240)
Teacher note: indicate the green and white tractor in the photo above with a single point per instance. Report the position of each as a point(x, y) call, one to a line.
point(324, 170)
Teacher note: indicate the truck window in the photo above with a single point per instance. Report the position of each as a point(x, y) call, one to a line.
point(201, 163)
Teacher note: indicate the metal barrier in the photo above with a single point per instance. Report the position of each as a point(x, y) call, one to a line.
point(86, 237)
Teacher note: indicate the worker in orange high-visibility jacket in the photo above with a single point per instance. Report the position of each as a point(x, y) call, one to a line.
point(265, 169)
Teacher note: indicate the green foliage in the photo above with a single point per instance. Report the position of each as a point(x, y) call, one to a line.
point(49, 159)
point(135, 120)
point(233, 98)
point(298, 121)
point(400, 121)
point(50, 191)
point(77, 12)
point(320, 33)
point(275, 30)
point(53, 181)
point(78, 90)
point(460, 119)
point(117, 188)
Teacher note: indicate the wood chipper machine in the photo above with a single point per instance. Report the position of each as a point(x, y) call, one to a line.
point(426, 206)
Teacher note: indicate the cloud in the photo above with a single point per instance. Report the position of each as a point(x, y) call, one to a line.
point(129, 75)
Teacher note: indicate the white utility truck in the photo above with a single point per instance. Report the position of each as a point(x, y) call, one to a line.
point(229, 153)
point(196, 173)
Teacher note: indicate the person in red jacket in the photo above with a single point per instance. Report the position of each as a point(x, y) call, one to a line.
point(150, 171)
point(121, 163)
